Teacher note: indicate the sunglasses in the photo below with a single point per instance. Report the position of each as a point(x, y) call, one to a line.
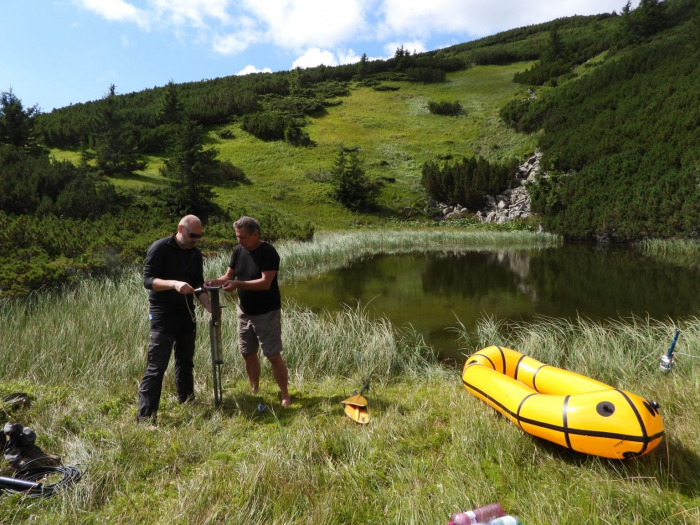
point(192, 235)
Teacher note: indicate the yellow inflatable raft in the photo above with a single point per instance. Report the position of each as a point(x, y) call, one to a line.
point(563, 407)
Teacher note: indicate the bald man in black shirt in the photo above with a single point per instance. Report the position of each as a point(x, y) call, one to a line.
point(172, 271)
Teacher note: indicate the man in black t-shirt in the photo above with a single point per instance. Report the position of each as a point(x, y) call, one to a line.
point(253, 272)
point(172, 271)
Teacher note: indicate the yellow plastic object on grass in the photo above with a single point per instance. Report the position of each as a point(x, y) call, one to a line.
point(356, 407)
point(563, 407)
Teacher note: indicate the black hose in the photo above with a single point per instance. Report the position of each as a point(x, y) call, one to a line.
point(70, 475)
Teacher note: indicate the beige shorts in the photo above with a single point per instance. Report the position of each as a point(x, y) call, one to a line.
point(264, 331)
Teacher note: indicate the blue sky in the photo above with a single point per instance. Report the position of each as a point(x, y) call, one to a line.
point(67, 51)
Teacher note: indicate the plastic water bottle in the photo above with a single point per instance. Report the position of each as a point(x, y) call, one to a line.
point(478, 515)
point(506, 520)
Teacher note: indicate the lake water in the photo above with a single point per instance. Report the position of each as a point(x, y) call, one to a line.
point(431, 291)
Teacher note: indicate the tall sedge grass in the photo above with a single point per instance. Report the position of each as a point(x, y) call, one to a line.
point(669, 246)
point(682, 252)
point(331, 250)
point(430, 449)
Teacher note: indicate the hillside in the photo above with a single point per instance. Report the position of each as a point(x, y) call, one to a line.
point(609, 99)
point(395, 135)
point(394, 131)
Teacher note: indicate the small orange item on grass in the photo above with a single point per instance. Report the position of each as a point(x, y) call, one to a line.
point(356, 407)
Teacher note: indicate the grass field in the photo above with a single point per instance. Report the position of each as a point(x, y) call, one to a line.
point(396, 135)
point(431, 449)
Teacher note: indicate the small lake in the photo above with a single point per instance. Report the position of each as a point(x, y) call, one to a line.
point(432, 290)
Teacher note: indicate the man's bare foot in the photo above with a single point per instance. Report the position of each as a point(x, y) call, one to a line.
point(286, 401)
point(254, 390)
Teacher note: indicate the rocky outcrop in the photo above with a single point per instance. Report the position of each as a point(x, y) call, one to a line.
point(513, 203)
point(445, 212)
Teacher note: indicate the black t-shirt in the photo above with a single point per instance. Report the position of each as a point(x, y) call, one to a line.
point(165, 260)
point(248, 266)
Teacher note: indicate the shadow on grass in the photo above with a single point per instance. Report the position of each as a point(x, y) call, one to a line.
point(144, 179)
point(246, 405)
point(682, 467)
point(672, 465)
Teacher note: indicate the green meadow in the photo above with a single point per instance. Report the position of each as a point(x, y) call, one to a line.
point(395, 134)
point(430, 449)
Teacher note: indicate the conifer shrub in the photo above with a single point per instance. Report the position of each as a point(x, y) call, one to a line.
point(444, 108)
point(384, 87)
point(466, 182)
point(621, 197)
point(275, 126)
point(351, 185)
point(43, 252)
point(426, 75)
point(523, 115)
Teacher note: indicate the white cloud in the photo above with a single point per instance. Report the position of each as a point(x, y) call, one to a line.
point(246, 33)
point(193, 12)
point(476, 17)
point(309, 26)
point(315, 57)
point(304, 24)
point(231, 44)
point(347, 57)
point(252, 69)
point(126, 42)
point(116, 10)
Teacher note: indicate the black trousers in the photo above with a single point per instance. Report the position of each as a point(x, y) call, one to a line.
point(178, 333)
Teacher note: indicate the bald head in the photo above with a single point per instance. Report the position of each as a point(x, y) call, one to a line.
point(191, 221)
point(188, 231)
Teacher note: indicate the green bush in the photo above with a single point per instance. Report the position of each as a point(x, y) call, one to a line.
point(40, 185)
point(41, 252)
point(230, 173)
point(426, 75)
point(466, 182)
point(523, 115)
point(292, 105)
point(384, 87)
point(351, 185)
point(621, 197)
point(542, 72)
point(444, 108)
point(275, 126)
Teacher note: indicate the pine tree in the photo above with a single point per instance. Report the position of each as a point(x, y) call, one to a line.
point(17, 123)
point(116, 141)
point(362, 67)
point(555, 46)
point(352, 187)
point(170, 107)
point(191, 170)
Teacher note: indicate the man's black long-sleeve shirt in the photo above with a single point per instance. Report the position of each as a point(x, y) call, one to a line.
point(166, 260)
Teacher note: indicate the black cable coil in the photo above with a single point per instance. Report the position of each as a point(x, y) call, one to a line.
point(69, 476)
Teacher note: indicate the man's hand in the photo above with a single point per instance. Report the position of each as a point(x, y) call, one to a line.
point(221, 280)
point(183, 288)
point(229, 286)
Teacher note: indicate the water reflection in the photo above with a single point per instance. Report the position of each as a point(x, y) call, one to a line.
point(432, 290)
